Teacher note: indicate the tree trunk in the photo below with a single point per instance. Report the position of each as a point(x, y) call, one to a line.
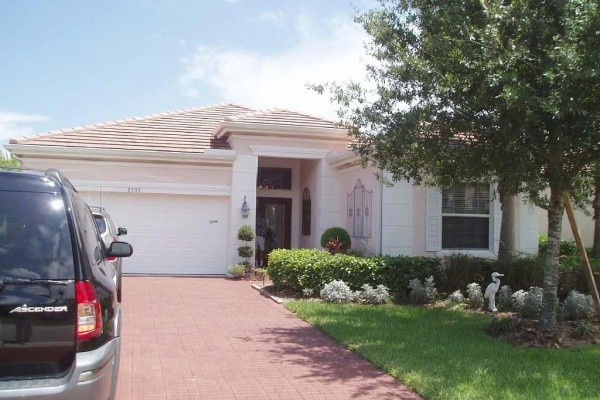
point(550, 297)
point(507, 248)
point(596, 248)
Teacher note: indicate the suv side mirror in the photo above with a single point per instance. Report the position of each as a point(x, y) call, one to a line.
point(121, 232)
point(120, 249)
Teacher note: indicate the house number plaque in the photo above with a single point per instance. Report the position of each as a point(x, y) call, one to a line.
point(133, 190)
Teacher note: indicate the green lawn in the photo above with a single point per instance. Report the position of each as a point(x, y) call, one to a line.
point(445, 354)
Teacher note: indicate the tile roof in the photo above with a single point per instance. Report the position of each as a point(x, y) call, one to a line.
point(281, 117)
point(183, 131)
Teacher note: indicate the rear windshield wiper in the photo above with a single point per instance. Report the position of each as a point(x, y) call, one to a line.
point(7, 280)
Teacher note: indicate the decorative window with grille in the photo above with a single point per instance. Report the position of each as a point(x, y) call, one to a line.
point(466, 217)
point(306, 212)
point(359, 211)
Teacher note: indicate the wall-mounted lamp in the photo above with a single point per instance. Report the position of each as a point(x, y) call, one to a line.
point(245, 209)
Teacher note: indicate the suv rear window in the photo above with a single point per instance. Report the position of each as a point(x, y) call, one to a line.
point(35, 242)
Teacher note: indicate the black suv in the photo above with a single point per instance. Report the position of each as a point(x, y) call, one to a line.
point(59, 312)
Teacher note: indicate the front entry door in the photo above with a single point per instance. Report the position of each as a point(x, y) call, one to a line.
point(274, 218)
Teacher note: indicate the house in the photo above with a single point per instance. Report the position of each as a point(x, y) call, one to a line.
point(179, 180)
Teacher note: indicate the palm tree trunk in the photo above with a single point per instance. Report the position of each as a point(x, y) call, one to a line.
point(550, 297)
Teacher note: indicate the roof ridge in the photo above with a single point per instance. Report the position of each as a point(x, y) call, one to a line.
point(125, 120)
point(306, 115)
point(239, 117)
point(245, 114)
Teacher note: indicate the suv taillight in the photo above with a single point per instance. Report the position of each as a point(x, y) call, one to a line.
point(89, 312)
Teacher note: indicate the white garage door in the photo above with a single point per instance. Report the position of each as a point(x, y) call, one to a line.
point(170, 234)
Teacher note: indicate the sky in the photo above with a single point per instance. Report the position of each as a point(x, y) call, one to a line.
point(70, 63)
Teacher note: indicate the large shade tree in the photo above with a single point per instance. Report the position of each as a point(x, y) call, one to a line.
point(475, 91)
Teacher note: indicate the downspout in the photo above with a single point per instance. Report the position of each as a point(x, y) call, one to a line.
point(381, 212)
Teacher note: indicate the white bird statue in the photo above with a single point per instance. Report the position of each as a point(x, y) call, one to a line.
point(491, 290)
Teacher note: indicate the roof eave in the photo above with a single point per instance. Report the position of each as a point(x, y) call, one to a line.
point(344, 160)
point(210, 156)
point(226, 128)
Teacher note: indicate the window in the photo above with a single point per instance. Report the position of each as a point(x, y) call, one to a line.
point(274, 178)
point(358, 211)
point(89, 231)
point(306, 212)
point(466, 218)
point(35, 241)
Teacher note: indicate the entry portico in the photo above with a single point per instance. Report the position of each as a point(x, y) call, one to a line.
point(279, 140)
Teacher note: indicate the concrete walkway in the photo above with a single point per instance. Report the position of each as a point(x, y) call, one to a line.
point(212, 338)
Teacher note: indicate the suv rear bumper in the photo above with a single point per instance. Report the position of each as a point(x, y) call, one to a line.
point(93, 376)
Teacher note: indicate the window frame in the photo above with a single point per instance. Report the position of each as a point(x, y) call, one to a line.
point(489, 216)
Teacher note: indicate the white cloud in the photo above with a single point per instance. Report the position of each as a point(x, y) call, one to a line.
point(324, 53)
point(276, 18)
point(13, 125)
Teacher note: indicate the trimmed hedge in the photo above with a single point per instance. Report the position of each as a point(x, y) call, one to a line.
point(397, 272)
point(299, 269)
point(311, 269)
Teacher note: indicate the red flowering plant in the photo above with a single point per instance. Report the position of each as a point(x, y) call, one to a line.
point(334, 246)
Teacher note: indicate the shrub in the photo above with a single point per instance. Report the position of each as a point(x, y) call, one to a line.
point(245, 233)
point(505, 301)
point(398, 272)
point(374, 295)
point(502, 325)
point(245, 251)
point(458, 270)
point(417, 292)
point(475, 296)
point(584, 329)
point(571, 275)
point(455, 299)
point(337, 292)
point(422, 293)
point(567, 247)
point(519, 300)
point(236, 270)
point(306, 292)
point(303, 268)
point(578, 306)
point(522, 272)
point(336, 233)
point(542, 243)
point(297, 269)
point(533, 303)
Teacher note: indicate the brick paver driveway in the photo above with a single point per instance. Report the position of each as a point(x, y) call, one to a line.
point(212, 338)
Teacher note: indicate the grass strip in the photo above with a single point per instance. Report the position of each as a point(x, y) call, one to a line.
point(445, 354)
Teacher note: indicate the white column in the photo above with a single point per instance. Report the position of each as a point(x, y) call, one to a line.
point(243, 183)
point(397, 219)
point(326, 200)
point(528, 227)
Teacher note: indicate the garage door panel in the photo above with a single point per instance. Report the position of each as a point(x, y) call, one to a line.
point(171, 234)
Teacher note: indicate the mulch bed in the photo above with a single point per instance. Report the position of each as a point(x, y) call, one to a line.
point(565, 334)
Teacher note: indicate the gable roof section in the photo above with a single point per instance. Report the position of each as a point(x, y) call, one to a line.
point(182, 131)
point(281, 122)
